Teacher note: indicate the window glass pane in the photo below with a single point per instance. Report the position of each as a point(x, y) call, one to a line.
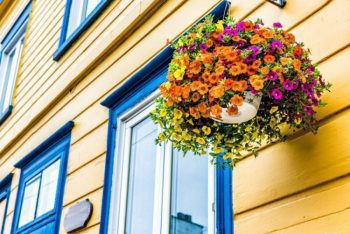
point(8, 68)
point(12, 75)
point(91, 6)
point(75, 16)
point(29, 201)
point(189, 205)
point(139, 217)
point(2, 212)
point(48, 188)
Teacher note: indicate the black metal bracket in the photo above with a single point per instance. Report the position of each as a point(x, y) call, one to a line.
point(279, 3)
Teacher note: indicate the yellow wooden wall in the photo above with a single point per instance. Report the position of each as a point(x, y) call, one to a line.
point(301, 186)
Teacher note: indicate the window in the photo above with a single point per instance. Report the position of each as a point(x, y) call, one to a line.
point(39, 200)
point(161, 190)
point(5, 190)
point(134, 163)
point(79, 15)
point(10, 54)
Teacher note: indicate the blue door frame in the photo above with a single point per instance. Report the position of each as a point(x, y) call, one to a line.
point(132, 92)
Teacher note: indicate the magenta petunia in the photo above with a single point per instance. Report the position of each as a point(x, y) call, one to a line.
point(272, 76)
point(288, 85)
point(277, 25)
point(277, 94)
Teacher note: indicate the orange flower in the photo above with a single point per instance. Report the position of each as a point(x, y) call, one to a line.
point(207, 58)
point(217, 91)
point(186, 91)
point(228, 84)
point(256, 64)
point(235, 70)
point(243, 85)
point(219, 70)
point(296, 64)
point(268, 34)
point(236, 86)
point(291, 37)
point(214, 79)
point(195, 97)
point(216, 110)
point(195, 67)
point(189, 74)
point(243, 67)
point(232, 110)
point(251, 71)
point(169, 103)
point(269, 58)
point(255, 39)
point(298, 50)
point(195, 85)
point(209, 43)
point(206, 74)
point(216, 33)
point(248, 26)
point(264, 70)
point(237, 100)
point(284, 61)
point(202, 107)
point(203, 89)
point(254, 78)
point(194, 112)
point(278, 70)
point(258, 84)
point(236, 38)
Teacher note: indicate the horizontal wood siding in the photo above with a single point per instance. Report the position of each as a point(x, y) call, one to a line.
point(303, 185)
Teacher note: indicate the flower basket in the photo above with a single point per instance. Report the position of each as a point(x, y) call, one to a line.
point(231, 86)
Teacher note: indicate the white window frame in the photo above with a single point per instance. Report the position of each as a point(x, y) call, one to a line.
point(8, 84)
point(162, 209)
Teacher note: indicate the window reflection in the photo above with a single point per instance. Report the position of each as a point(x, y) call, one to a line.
point(189, 204)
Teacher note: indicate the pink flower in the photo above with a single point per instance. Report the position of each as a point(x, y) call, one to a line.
point(288, 85)
point(277, 94)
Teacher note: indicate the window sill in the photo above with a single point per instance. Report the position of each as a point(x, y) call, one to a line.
point(6, 114)
point(65, 45)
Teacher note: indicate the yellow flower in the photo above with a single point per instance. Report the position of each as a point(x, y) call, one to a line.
point(218, 150)
point(167, 85)
point(162, 113)
point(298, 120)
point(196, 130)
point(177, 114)
point(273, 109)
point(220, 25)
point(179, 74)
point(227, 156)
point(177, 128)
point(161, 136)
point(186, 136)
point(200, 140)
point(206, 130)
point(178, 121)
point(176, 136)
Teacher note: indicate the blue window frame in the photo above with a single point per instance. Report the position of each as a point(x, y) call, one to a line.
point(5, 190)
point(41, 186)
point(10, 53)
point(132, 92)
point(78, 16)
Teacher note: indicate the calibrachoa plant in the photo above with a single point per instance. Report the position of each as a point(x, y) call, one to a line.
point(214, 65)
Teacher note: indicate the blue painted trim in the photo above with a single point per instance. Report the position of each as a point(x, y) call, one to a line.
point(224, 201)
point(5, 41)
point(66, 43)
point(6, 114)
point(138, 87)
point(56, 147)
point(18, 24)
point(5, 191)
point(46, 144)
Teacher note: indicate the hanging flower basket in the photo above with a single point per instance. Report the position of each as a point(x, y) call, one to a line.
point(233, 85)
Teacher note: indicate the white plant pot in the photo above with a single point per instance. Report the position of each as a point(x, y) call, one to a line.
point(246, 112)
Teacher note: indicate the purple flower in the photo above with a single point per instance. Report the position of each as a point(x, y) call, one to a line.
point(229, 31)
point(221, 38)
point(181, 49)
point(203, 47)
point(277, 25)
point(288, 85)
point(240, 26)
point(193, 46)
point(309, 110)
point(277, 94)
point(295, 84)
point(272, 76)
point(276, 44)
